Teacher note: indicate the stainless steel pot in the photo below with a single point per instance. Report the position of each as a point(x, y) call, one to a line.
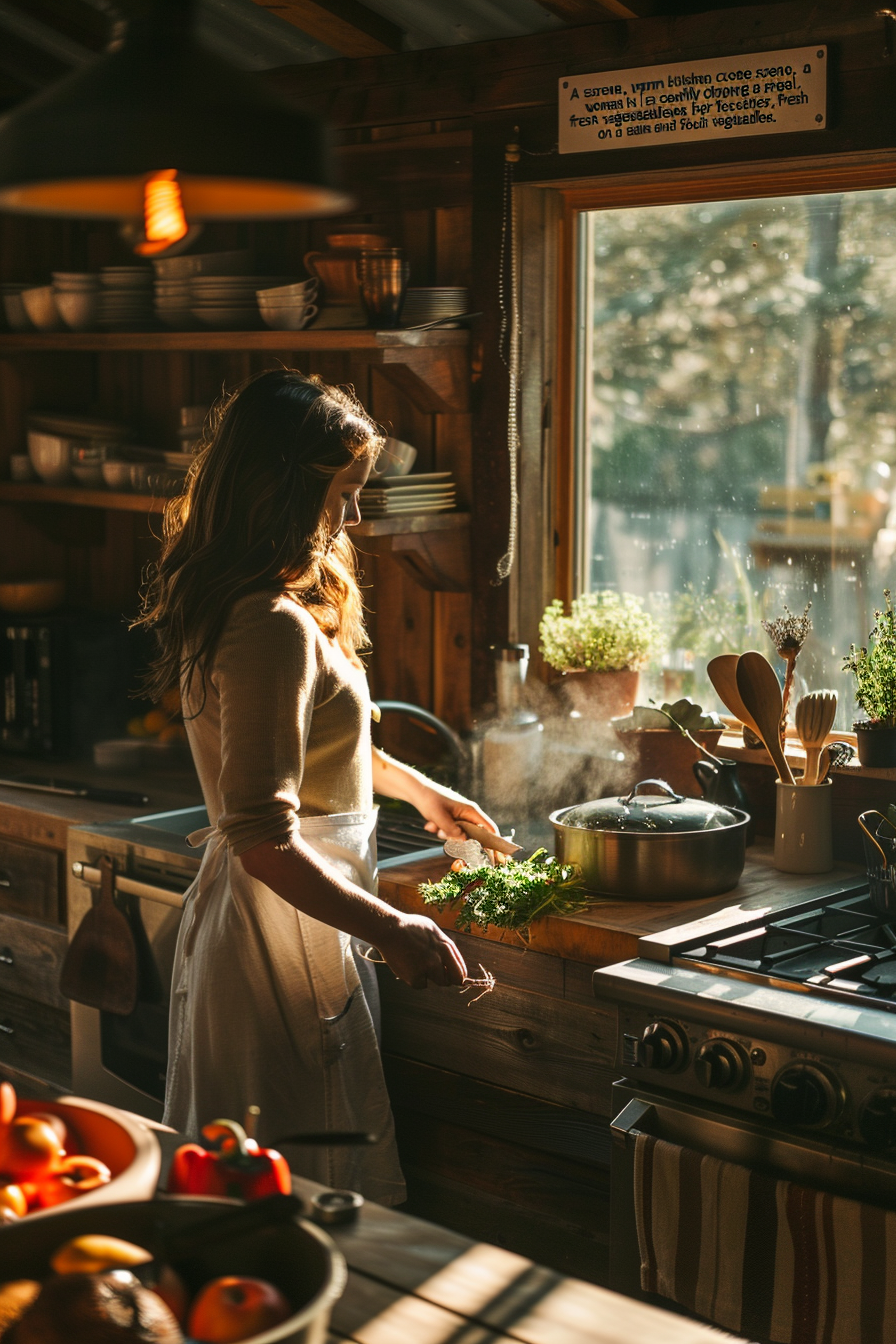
point(657, 846)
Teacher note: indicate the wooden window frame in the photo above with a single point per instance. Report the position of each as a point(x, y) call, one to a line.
point(754, 180)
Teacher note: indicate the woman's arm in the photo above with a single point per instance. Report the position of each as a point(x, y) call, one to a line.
point(440, 806)
point(414, 947)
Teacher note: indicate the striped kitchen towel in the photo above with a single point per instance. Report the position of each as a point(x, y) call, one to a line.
point(763, 1257)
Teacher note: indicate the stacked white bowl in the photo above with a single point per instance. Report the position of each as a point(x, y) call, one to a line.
point(13, 307)
point(173, 296)
point(432, 302)
point(66, 447)
point(40, 305)
point(289, 307)
point(126, 298)
point(228, 302)
point(77, 295)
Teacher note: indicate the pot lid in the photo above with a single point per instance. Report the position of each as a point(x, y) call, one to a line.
point(657, 809)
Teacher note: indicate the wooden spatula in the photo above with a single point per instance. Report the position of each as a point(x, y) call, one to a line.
point(722, 672)
point(761, 694)
point(100, 966)
point(814, 719)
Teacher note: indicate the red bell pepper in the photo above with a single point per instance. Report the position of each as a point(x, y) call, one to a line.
point(231, 1165)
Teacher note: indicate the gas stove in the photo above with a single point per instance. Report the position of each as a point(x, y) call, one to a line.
point(789, 1020)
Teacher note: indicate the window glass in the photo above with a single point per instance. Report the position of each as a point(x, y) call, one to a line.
point(738, 421)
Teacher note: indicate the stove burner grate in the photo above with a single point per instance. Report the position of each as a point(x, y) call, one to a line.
point(845, 947)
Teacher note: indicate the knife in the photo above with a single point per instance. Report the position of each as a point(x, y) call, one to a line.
point(70, 790)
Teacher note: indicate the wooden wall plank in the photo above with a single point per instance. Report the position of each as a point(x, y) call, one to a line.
point(563, 1053)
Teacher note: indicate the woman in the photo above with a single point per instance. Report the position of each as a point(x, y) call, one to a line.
point(257, 609)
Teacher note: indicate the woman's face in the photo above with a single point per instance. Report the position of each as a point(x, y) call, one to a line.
point(341, 504)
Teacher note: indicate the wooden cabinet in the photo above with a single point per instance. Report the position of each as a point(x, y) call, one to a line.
point(502, 1106)
point(35, 1033)
point(416, 569)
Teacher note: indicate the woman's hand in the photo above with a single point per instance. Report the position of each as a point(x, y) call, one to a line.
point(419, 953)
point(442, 809)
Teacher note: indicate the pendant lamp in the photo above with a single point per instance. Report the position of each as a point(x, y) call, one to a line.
point(158, 129)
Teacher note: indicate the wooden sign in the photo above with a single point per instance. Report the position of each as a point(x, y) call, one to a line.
point(768, 93)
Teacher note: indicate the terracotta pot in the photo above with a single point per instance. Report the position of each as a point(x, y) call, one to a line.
point(665, 753)
point(602, 695)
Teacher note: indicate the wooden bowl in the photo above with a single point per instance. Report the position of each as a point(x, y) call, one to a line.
point(128, 1147)
point(32, 595)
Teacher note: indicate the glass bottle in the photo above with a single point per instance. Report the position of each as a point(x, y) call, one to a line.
point(508, 745)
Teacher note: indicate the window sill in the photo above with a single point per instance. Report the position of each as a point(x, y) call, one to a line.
point(732, 747)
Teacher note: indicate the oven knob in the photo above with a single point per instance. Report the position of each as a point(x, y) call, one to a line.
point(877, 1122)
point(804, 1094)
point(721, 1065)
point(663, 1046)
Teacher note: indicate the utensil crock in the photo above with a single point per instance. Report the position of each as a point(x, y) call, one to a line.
point(803, 822)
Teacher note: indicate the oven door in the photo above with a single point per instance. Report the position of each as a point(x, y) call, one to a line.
point(122, 1060)
point(713, 1131)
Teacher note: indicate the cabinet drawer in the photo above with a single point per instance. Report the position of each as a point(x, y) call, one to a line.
point(30, 960)
point(29, 881)
point(35, 1040)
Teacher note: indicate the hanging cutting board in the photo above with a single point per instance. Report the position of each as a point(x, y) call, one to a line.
point(100, 966)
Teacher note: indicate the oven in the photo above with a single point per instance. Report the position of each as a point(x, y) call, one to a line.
point(122, 1060)
point(754, 1129)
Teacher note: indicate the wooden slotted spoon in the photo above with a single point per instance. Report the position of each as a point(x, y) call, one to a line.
point(722, 672)
point(761, 694)
point(814, 719)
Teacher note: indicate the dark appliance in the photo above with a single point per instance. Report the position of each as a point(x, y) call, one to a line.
point(769, 1043)
point(66, 683)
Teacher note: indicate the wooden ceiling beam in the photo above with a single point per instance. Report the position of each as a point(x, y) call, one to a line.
point(578, 12)
point(345, 25)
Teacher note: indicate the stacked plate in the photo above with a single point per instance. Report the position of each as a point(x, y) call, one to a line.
point(434, 302)
point(173, 295)
point(126, 298)
point(429, 492)
point(228, 302)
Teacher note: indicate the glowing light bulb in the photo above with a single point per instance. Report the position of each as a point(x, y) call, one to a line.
point(164, 220)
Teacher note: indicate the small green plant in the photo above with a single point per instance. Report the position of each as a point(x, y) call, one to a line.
point(604, 632)
point(512, 895)
point(874, 668)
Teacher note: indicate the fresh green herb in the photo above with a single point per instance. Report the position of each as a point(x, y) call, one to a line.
point(604, 632)
point(874, 667)
point(511, 895)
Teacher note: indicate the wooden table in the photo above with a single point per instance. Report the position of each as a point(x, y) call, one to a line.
point(411, 1282)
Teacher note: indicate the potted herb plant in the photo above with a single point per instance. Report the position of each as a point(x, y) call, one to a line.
point(874, 668)
point(601, 647)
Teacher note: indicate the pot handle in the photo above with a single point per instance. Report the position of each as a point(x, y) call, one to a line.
point(660, 783)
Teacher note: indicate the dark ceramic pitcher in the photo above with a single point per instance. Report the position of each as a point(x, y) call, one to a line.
point(720, 784)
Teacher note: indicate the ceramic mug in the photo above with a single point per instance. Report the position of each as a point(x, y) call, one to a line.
point(803, 821)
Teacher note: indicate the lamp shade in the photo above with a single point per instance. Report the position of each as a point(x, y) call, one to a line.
point(157, 102)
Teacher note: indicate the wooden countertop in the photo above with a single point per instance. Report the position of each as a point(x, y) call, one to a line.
point(44, 818)
point(610, 929)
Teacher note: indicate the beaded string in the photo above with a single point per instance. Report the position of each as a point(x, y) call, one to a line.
point(509, 350)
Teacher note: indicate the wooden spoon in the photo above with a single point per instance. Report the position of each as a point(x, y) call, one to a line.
point(814, 719)
point(722, 672)
point(761, 694)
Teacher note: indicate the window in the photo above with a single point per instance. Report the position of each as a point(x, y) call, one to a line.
point(736, 406)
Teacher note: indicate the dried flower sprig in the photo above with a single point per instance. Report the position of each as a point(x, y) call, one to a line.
point(788, 633)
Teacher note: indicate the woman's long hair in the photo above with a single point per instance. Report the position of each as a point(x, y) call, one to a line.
point(250, 519)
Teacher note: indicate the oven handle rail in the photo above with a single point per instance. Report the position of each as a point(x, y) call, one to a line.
point(128, 886)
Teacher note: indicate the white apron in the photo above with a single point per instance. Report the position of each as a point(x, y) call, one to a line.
point(267, 1009)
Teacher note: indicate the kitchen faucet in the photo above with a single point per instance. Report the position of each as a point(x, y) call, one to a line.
point(423, 716)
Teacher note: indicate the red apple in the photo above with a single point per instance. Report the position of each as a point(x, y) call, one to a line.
point(232, 1308)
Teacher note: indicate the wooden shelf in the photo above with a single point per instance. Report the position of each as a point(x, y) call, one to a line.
point(32, 492)
point(111, 341)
